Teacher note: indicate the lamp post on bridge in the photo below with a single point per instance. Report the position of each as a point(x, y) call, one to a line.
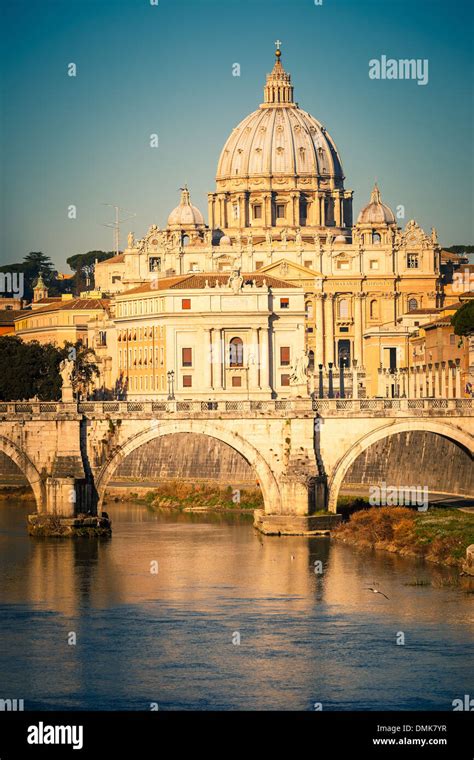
point(331, 387)
point(170, 376)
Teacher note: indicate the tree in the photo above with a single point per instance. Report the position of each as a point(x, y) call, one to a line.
point(85, 368)
point(83, 264)
point(463, 319)
point(29, 370)
point(33, 264)
point(460, 249)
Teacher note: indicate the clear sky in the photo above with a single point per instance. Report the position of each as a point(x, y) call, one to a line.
point(167, 69)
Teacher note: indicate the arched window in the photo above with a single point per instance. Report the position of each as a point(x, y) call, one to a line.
point(311, 360)
point(236, 352)
point(376, 239)
point(344, 308)
point(412, 304)
point(185, 240)
point(374, 309)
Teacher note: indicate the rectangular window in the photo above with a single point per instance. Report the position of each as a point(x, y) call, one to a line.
point(187, 357)
point(257, 212)
point(187, 381)
point(284, 303)
point(343, 265)
point(452, 340)
point(374, 264)
point(412, 261)
point(308, 264)
point(285, 380)
point(236, 382)
point(185, 303)
point(280, 210)
point(284, 356)
point(258, 264)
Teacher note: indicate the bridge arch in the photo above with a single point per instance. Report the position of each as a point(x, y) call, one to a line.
point(266, 478)
point(27, 468)
point(460, 437)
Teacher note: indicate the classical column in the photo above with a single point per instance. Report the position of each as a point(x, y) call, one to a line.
point(265, 374)
point(458, 378)
point(210, 199)
point(358, 347)
point(322, 211)
point(253, 361)
point(430, 380)
point(315, 211)
point(337, 210)
point(217, 374)
point(205, 339)
point(436, 380)
point(295, 209)
point(319, 358)
point(443, 380)
point(266, 211)
point(329, 328)
point(450, 379)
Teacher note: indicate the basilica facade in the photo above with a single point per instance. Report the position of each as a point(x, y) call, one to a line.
point(280, 208)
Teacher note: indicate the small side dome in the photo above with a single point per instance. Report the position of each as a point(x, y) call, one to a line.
point(376, 212)
point(185, 215)
point(340, 239)
point(225, 240)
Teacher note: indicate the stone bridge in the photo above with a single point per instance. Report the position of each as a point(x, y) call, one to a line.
point(299, 449)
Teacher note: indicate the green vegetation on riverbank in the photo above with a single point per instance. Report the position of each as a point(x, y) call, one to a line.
point(439, 535)
point(181, 494)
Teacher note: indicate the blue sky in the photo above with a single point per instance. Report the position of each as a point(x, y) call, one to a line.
point(167, 69)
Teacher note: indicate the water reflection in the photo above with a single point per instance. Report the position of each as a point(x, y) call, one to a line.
point(167, 637)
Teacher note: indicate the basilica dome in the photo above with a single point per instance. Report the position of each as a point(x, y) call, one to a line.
point(185, 215)
point(376, 212)
point(279, 138)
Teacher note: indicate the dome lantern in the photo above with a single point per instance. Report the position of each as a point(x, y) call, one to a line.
point(278, 89)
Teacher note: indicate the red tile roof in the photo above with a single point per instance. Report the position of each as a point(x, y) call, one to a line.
point(76, 304)
point(114, 260)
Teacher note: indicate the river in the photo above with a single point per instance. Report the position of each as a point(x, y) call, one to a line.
point(171, 637)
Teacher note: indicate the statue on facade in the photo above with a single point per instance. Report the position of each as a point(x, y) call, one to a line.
point(208, 237)
point(284, 236)
point(298, 238)
point(131, 240)
point(298, 371)
point(235, 281)
point(268, 238)
point(434, 235)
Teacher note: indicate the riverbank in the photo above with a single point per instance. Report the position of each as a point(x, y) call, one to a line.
point(438, 535)
point(192, 497)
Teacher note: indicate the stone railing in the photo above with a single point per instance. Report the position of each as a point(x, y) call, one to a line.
point(394, 405)
point(278, 407)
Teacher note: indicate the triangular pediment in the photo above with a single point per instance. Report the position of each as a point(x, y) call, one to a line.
point(289, 270)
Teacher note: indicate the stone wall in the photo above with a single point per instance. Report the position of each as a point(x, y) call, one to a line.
point(415, 458)
point(190, 457)
point(10, 472)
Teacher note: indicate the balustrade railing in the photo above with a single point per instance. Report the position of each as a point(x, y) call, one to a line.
point(231, 406)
